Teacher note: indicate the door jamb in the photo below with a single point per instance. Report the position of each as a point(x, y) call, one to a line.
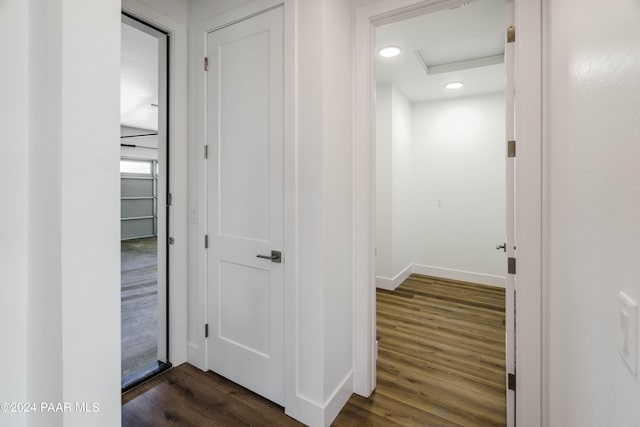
point(528, 69)
point(164, 261)
point(177, 182)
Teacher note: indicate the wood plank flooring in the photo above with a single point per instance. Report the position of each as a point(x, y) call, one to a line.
point(441, 357)
point(187, 397)
point(441, 363)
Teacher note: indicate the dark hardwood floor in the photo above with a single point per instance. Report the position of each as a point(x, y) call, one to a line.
point(441, 363)
point(187, 397)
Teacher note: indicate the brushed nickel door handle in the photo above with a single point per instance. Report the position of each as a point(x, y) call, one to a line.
point(276, 256)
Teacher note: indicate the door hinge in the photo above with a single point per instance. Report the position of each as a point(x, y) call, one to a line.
point(206, 241)
point(511, 34)
point(171, 240)
point(206, 63)
point(511, 148)
point(206, 330)
point(511, 382)
point(511, 265)
point(206, 151)
point(169, 199)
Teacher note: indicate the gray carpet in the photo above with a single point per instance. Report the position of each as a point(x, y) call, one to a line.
point(139, 296)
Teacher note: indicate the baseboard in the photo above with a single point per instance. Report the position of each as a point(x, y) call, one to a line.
point(338, 399)
point(391, 283)
point(465, 276)
point(314, 414)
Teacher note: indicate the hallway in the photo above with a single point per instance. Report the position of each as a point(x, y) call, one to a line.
point(441, 363)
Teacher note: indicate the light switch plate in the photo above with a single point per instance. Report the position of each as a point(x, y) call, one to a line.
point(628, 346)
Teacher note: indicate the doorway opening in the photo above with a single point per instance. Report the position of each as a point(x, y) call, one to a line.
point(440, 200)
point(144, 201)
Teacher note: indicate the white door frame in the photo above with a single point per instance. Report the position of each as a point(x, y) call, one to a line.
point(528, 70)
point(257, 365)
point(197, 344)
point(177, 155)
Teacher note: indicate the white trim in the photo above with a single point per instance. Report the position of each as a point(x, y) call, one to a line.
point(528, 19)
point(313, 413)
point(290, 248)
point(307, 411)
point(178, 179)
point(546, 229)
point(338, 399)
point(197, 347)
point(529, 214)
point(391, 283)
point(465, 276)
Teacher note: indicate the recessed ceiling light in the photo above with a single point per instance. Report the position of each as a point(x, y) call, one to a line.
point(389, 51)
point(454, 85)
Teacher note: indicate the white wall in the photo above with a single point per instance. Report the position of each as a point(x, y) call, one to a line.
point(593, 229)
point(337, 204)
point(394, 187)
point(458, 159)
point(310, 337)
point(14, 122)
point(64, 339)
point(384, 199)
point(403, 191)
point(174, 10)
point(448, 152)
point(89, 210)
point(324, 193)
point(65, 304)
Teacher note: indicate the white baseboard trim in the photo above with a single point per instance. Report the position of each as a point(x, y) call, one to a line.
point(307, 411)
point(338, 399)
point(390, 284)
point(465, 276)
point(314, 414)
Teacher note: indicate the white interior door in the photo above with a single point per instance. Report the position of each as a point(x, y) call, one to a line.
point(510, 320)
point(245, 203)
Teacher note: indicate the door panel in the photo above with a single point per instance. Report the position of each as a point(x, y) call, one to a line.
point(244, 307)
point(245, 203)
point(244, 138)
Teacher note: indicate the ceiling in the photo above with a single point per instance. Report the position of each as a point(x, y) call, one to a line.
point(475, 30)
point(449, 42)
point(138, 79)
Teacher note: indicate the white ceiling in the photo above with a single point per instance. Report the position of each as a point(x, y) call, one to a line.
point(138, 79)
point(471, 31)
point(475, 30)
